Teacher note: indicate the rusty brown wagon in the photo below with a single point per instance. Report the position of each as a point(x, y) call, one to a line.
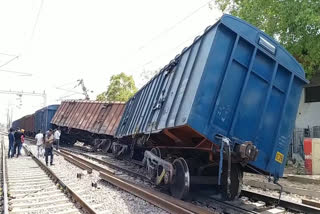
point(91, 122)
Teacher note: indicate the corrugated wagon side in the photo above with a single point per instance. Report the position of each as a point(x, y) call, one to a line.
point(43, 117)
point(91, 122)
point(226, 104)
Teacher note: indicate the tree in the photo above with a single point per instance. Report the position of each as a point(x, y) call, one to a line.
point(295, 24)
point(121, 88)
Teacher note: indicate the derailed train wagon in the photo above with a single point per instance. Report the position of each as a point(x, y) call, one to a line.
point(91, 122)
point(226, 104)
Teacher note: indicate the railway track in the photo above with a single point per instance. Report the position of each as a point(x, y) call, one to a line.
point(227, 207)
point(4, 189)
point(34, 188)
point(161, 200)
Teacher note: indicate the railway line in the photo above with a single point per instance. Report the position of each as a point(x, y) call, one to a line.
point(219, 205)
point(34, 182)
point(163, 201)
point(31, 187)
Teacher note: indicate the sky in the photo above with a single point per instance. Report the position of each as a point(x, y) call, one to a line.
point(52, 44)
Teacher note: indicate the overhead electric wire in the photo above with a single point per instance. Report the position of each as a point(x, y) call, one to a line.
point(68, 83)
point(63, 89)
point(167, 51)
point(37, 19)
point(16, 72)
point(168, 30)
point(175, 25)
point(8, 54)
point(9, 61)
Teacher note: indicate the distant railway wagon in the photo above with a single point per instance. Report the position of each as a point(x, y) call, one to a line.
point(29, 125)
point(43, 118)
point(40, 120)
point(91, 122)
point(26, 123)
point(226, 104)
point(16, 123)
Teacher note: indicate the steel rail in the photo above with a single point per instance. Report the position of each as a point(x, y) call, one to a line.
point(282, 203)
point(222, 205)
point(106, 163)
point(296, 207)
point(56, 179)
point(4, 180)
point(156, 198)
point(225, 206)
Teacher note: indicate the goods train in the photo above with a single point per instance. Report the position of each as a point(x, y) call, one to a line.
point(40, 120)
point(226, 104)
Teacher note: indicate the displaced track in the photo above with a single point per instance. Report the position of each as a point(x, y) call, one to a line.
point(220, 205)
point(161, 200)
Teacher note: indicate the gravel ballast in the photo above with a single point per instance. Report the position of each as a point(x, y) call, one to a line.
point(105, 198)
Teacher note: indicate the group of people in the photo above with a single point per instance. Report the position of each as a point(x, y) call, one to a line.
point(16, 138)
point(43, 141)
point(46, 141)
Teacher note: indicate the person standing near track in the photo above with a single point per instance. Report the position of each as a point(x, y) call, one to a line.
point(48, 146)
point(56, 137)
point(39, 139)
point(11, 142)
point(17, 144)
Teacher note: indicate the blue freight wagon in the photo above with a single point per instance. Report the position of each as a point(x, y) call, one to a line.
point(226, 104)
point(43, 118)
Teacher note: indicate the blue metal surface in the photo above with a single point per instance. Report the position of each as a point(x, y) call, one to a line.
point(43, 118)
point(234, 80)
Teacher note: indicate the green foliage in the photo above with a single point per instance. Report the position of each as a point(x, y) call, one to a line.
point(121, 88)
point(102, 97)
point(294, 23)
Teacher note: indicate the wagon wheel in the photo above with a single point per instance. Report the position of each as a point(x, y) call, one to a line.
point(156, 151)
point(236, 179)
point(95, 143)
point(180, 185)
point(106, 145)
point(131, 151)
point(116, 151)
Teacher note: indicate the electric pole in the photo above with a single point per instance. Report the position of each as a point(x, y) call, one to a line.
point(21, 93)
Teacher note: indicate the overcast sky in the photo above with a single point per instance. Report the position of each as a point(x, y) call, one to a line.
point(60, 41)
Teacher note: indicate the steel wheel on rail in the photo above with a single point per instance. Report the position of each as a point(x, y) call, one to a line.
point(106, 145)
point(156, 151)
point(95, 144)
point(116, 150)
point(180, 185)
point(236, 178)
